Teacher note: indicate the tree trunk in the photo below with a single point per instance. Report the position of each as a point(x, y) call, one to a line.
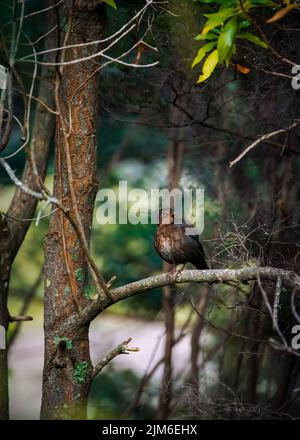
point(12, 232)
point(4, 318)
point(67, 369)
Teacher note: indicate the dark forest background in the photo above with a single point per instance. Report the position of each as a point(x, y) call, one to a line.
point(251, 217)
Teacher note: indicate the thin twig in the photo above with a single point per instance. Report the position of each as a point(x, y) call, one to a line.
point(120, 349)
point(262, 139)
point(11, 173)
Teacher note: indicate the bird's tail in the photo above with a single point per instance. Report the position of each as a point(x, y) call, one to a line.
point(201, 263)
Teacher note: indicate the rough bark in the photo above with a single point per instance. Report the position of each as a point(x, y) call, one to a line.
point(67, 368)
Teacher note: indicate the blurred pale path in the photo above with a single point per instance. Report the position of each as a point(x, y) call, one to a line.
point(26, 356)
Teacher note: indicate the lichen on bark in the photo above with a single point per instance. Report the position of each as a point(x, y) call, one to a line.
point(81, 372)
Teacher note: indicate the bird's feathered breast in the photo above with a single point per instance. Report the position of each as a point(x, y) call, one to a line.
point(175, 246)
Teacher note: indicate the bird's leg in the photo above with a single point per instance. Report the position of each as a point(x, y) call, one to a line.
point(181, 268)
point(173, 269)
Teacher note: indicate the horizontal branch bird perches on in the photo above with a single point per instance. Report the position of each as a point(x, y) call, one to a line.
point(288, 278)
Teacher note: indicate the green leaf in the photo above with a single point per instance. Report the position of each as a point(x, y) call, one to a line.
point(227, 38)
point(262, 3)
point(202, 52)
point(209, 66)
point(217, 18)
point(111, 3)
point(253, 38)
point(245, 24)
point(208, 1)
point(209, 36)
point(231, 52)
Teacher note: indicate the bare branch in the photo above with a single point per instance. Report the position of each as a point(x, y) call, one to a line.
point(262, 139)
point(9, 122)
point(203, 123)
point(11, 173)
point(274, 312)
point(185, 276)
point(276, 307)
point(28, 110)
point(40, 11)
point(95, 42)
point(21, 318)
point(293, 306)
point(118, 36)
point(120, 349)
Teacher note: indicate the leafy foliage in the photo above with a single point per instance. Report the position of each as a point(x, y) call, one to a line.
point(231, 22)
point(111, 3)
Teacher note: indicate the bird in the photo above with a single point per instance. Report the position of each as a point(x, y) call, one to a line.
point(174, 246)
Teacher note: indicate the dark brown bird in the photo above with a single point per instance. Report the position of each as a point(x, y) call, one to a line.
point(173, 244)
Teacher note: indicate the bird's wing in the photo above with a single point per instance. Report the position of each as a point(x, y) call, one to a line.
point(194, 244)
